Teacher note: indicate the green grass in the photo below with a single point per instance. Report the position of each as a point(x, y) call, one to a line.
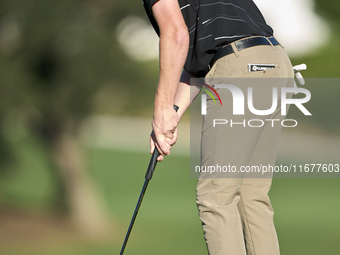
point(306, 210)
point(167, 222)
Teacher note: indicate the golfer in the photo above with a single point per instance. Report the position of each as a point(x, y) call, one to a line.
point(225, 42)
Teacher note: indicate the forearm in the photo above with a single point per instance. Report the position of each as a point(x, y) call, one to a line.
point(185, 93)
point(173, 51)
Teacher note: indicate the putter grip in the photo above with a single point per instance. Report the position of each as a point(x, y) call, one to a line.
point(153, 161)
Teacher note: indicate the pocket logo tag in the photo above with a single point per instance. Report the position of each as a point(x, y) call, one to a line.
point(260, 67)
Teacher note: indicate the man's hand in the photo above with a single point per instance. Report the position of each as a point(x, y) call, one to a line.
point(164, 134)
point(173, 51)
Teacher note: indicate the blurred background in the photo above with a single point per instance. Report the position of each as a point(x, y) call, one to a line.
point(77, 82)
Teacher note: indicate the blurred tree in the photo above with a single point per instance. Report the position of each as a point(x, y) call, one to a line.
point(56, 58)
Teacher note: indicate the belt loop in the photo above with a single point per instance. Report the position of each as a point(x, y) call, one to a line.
point(235, 49)
point(271, 44)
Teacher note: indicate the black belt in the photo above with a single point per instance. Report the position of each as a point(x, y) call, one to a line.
point(243, 44)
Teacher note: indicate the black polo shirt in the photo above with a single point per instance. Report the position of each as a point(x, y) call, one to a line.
point(212, 24)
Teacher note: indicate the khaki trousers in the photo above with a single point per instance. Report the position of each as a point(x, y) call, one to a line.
point(235, 210)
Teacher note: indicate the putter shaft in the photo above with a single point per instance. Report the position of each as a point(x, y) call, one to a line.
point(146, 182)
point(148, 176)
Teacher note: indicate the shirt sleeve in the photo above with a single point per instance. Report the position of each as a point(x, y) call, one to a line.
point(147, 6)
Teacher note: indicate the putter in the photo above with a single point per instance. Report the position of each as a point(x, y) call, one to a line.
point(148, 176)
